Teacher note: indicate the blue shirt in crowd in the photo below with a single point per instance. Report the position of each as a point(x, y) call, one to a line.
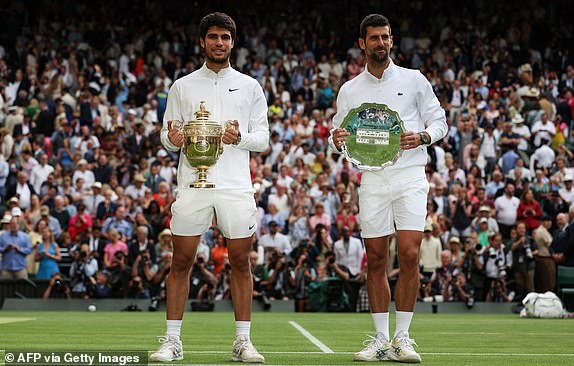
point(12, 259)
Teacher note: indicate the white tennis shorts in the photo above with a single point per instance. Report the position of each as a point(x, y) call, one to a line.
point(193, 210)
point(399, 204)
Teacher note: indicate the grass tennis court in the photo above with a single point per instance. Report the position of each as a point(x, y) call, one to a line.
point(443, 339)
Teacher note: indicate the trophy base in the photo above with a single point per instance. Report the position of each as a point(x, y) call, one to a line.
point(202, 185)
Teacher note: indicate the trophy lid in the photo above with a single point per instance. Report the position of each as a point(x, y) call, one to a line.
point(203, 114)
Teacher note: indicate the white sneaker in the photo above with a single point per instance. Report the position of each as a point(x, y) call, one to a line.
point(243, 351)
point(170, 350)
point(403, 350)
point(377, 348)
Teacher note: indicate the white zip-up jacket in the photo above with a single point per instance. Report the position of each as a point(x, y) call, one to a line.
point(228, 95)
point(408, 93)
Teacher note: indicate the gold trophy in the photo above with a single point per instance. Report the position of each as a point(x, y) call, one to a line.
point(202, 144)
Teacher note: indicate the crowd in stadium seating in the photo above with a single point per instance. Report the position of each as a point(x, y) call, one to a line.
point(83, 174)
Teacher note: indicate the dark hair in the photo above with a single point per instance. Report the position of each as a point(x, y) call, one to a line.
point(217, 20)
point(373, 20)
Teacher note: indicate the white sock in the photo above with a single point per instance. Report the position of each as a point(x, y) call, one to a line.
point(242, 328)
point(381, 321)
point(173, 327)
point(403, 322)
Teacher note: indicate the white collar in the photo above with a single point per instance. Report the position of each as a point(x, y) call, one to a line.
point(386, 74)
point(212, 74)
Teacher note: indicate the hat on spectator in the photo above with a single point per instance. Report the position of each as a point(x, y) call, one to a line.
point(82, 161)
point(164, 232)
point(428, 227)
point(13, 200)
point(139, 178)
point(162, 153)
point(524, 68)
point(532, 93)
point(44, 210)
point(95, 87)
point(454, 239)
point(481, 105)
point(484, 208)
point(517, 119)
point(6, 219)
point(13, 108)
point(16, 211)
point(483, 220)
point(132, 111)
point(568, 177)
point(97, 185)
point(138, 122)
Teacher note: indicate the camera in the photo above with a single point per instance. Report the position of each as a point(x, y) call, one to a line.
point(478, 247)
point(501, 268)
point(154, 303)
point(528, 249)
point(83, 255)
point(331, 260)
point(200, 260)
point(58, 283)
point(228, 267)
point(492, 253)
point(470, 301)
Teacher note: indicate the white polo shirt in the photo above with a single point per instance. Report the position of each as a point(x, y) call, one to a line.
point(228, 95)
point(406, 92)
point(506, 209)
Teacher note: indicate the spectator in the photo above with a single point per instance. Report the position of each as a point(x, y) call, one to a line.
point(349, 252)
point(48, 255)
point(430, 254)
point(275, 239)
point(15, 245)
point(529, 211)
point(545, 271)
point(115, 251)
point(507, 210)
point(119, 223)
point(219, 254)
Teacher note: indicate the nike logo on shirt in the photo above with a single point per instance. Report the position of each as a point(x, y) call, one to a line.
point(251, 227)
point(232, 90)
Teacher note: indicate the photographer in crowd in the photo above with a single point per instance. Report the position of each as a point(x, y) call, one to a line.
point(472, 265)
point(84, 266)
point(202, 283)
point(498, 260)
point(57, 288)
point(524, 248)
point(458, 290)
point(260, 276)
point(142, 273)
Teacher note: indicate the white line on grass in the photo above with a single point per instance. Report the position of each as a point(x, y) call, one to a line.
point(422, 353)
point(455, 354)
point(310, 337)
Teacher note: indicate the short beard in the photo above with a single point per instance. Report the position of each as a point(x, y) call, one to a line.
point(379, 60)
point(219, 61)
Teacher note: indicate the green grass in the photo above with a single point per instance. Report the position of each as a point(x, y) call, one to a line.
point(443, 339)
